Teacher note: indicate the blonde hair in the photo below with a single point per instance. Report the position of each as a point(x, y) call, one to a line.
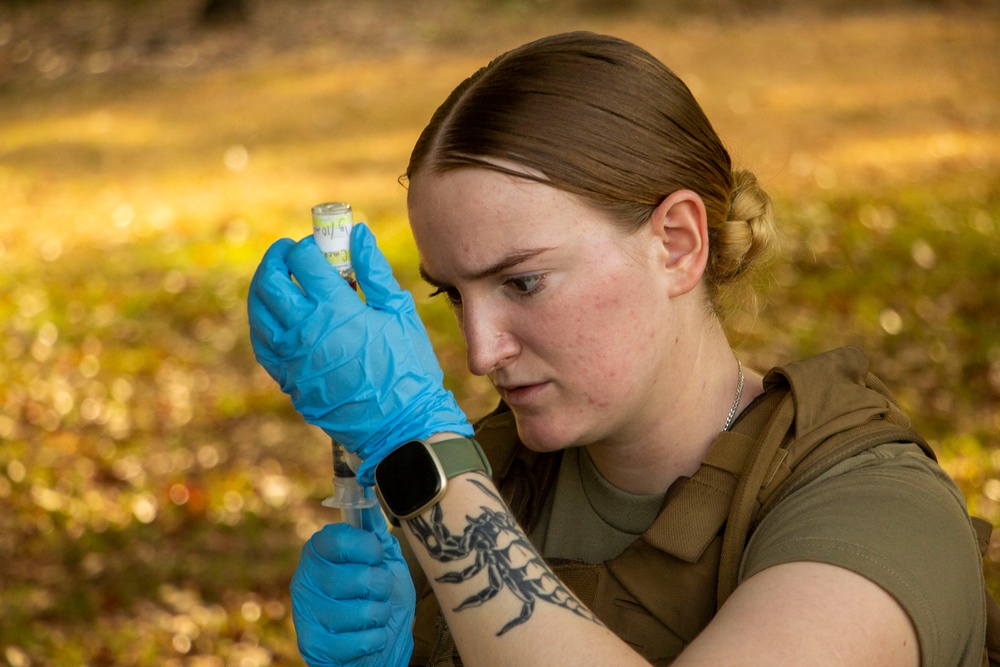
point(601, 118)
point(741, 245)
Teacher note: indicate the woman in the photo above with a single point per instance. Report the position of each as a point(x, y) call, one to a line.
point(577, 209)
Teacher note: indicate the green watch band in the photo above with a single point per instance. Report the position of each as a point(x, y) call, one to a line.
point(460, 455)
point(414, 477)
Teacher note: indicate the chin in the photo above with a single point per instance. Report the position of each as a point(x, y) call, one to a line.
point(545, 437)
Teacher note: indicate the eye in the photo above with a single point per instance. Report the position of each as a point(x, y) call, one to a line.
point(450, 293)
point(526, 285)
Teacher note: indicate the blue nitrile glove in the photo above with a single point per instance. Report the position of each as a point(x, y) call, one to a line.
point(363, 372)
point(353, 599)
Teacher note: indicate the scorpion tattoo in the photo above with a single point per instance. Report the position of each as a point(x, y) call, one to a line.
point(503, 550)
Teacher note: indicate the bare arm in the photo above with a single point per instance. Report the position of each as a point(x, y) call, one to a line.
point(505, 606)
point(807, 614)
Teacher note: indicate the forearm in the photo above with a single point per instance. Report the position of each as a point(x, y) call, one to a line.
point(502, 602)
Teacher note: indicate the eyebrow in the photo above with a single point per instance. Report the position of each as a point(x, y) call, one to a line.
point(507, 262)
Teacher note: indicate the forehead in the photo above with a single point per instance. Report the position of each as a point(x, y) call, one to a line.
point(435, 199)
point(467, 217)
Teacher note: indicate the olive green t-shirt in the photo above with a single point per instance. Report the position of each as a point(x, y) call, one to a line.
point(890, 514)
point(893, 516)
point(585, 518)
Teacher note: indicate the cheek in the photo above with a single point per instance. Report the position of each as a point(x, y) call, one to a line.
point(608, 346)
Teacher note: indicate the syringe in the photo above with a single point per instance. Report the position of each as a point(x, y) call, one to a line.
point(332, 224)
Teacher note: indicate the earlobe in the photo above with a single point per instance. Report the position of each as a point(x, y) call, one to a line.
point(680, 224)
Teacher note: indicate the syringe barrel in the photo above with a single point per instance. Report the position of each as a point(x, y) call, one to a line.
point(332, 223)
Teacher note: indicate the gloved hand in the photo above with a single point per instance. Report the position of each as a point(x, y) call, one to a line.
point(353, 599)
point(363, 372)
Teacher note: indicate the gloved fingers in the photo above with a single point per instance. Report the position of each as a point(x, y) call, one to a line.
point(268, 361)
point(329, 633)
point(265, 329)
point(341, 543)
point(273, 256)
point(374, 273)
point(347, 581)
point(319, 280)
point(366, 472)
point(323, 649)
point(273, 291)
point(349, 614)
point(377, 524)
point(342, 615)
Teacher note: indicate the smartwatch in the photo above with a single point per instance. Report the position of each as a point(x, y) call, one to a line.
point(414, 476)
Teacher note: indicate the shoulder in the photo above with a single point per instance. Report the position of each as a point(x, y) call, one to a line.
point(893, 516)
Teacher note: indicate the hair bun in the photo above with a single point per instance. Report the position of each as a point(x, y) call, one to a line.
point(745, 240)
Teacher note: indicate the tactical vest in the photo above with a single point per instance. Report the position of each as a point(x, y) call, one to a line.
point(668, 584)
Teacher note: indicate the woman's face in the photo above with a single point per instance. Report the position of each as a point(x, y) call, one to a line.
point(565, 313)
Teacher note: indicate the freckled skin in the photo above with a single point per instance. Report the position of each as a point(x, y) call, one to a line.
point(596, 334)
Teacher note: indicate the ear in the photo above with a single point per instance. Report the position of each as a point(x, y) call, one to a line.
point(680, 224)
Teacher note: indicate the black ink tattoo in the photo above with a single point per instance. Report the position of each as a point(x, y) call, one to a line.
point(503, 550)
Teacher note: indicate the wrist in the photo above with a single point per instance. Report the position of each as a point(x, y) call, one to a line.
point(444, 435)
point(400, 424)
point(413, 478)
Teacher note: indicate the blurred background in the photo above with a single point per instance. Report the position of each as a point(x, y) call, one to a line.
point(156, 487)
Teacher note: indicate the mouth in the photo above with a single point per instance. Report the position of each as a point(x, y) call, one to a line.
point(521, 394)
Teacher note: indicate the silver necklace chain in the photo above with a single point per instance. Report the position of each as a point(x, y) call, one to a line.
point(739, 395)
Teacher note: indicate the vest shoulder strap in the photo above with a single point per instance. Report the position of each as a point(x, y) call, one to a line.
point(792, 451)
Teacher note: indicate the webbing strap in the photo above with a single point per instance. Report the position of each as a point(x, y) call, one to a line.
point(834, 450)
point(694, 512)
point(745, 504)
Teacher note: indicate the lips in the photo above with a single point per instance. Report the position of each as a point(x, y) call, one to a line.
point(521, 395)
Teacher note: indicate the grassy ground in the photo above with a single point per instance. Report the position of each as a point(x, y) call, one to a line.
point(154, 484)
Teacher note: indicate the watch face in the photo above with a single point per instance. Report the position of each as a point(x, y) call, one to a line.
point(409, 479)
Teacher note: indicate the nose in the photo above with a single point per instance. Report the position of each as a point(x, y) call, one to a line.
point(489, 343)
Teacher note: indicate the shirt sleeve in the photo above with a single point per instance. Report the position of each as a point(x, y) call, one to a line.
point(893, 516)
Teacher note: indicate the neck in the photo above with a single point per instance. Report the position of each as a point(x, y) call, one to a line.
point(690, 409)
